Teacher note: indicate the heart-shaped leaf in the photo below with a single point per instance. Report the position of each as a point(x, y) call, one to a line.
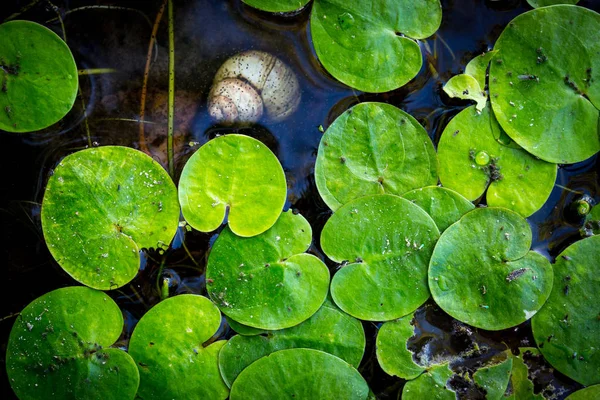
point(466, 87)
point(267, 281)
point(59, 348)
point(168, 347)
point(329, 330)
point(366, 43)
point(431, 384)
point(38, 77)
point(545, 82)
point(300, 374)
point(473, 162)
point(387, 241)
point(444, 205)
point(373, 148)
point(569, 322)
point(232, 174)
point(482, 272)
point(101, 207)
point(478, 67)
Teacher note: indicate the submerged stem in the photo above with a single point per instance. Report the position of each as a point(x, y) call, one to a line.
point(22, 10)
point(170, 152)
point(96, 71)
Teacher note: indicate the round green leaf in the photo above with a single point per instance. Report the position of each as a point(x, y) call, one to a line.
point(267, 281)
point(589, 393)
point(522, 386)
point(101, 207)
point(466, 87)
point(431, 384)
point(277, 5)
point(444, 205)
point(545, 82)
point(473, 162)
point(387, 242)
point(329, 330)
point(242, 329)
point(569, 322)
point(233, 174)
point(494, 378)
point(58, 348)
point(38, 77)
point(392, 352)
point(478, 67)
point(544, 3)
point(168, 347)
point(482, 272)
point(300, 374)
point(373, 148)
point(362, 43)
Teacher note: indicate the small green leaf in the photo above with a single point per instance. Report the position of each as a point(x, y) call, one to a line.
point(168, 348)
point(329, 330)
point(522, 386)
point(300, 374)
point(444, 205)
point(589, 393)
point(267, 281)
point(482, 272)
point(276, 6)
point(58, 348)
point(545, 3)
point(494, 378)
point(431, 384)
point(392, 354)
point(235, 174)
point(242, 329)
point(473, 162)
point(478, 66)
point(38, 77)
point(362, 43)
point(466, 87)
point(373, 148)
point(387, 242)
point(569, 322)
point(101, 207)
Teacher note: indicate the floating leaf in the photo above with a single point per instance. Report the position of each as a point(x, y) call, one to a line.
point(445, 206)
point(478, 66)
point(392, 352)
point(300, 374)
point(58, 348)
point(544, 3)
point(168, 347)
point(482, 272)
point(235, 174)
point(242, 329)
point(101, 207)
point(328, 330)
point(521, 386)
point(387, 241)
point(473, 162)
point(373, 148)
point(267, 281)
point(38, 77)
point(589, 393)
point(569, 322)
point(545, 82)
point(277, 5)
point(494, 378)
point(366, 43)
point(466, 87)
point(431, 384)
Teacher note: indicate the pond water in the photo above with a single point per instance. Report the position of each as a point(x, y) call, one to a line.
point(206, 33)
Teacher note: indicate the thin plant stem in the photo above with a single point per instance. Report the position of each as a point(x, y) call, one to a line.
point(438, 36)
point(10, 316)
point(22, 10)
point(137, 121)
point(96, 71)
point(568, 189)
point(102, 7)
point(170, 152)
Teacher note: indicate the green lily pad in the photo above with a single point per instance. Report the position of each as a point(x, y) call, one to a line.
point(466, 87)
point(299, 374)
point(373, 148)
point(569, 322)
point(392, 352)
point(168, 346)
point(367, 44)
point(58, 348)
point(328, 330)
point(431, 384)
point(483, 274)
point(589, 393)
point(233, 174)
point(478, 66)
point(242, 329)
point(387, 242)
point(101, 207)
point(277, 5)
point(267, 281)
point(545, 3)
point(521, 386)
point(494, 378)
point(545, 82)
point(473, 162)
point(444, 205)
point(38, 77)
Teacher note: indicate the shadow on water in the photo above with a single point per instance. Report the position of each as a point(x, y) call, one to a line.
point(207, 33)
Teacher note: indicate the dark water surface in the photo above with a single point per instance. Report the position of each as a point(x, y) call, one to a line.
point(206, 33)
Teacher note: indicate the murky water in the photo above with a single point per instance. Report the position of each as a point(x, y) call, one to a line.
point(208, 32)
